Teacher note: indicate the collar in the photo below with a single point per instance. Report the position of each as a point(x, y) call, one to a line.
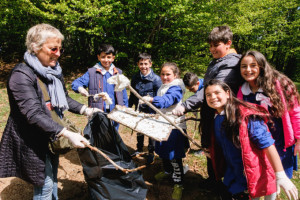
point(148, 76)
point(112, 70)
point(222, 113)
point(246, 90)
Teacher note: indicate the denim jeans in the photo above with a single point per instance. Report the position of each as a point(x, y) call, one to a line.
point(49, 190)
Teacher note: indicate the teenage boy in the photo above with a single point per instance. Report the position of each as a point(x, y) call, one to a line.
point(224, 66)
point(146, 83)
point(95, 79)
point(192, 82)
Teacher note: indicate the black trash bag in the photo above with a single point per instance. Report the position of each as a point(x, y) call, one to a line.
point(103, 179)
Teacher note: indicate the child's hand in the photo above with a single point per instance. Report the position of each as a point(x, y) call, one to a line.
point(146, 98)
point(297, 148)
point(83, 91)
point(284, 182)
point(179, 110)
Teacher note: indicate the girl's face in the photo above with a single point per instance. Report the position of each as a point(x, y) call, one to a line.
point(216, 97)
point(167, 75)
point(249, 69)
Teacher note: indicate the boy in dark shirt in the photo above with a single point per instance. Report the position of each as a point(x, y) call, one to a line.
point(146, 83)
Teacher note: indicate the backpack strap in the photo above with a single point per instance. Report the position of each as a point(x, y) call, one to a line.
point(46, 96)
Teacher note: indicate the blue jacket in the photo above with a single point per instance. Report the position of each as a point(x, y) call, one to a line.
point(201, 84)
point(144, 86)
point(99, 84)
point(174, 147)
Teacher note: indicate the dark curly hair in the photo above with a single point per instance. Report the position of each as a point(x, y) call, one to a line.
point(267, 81)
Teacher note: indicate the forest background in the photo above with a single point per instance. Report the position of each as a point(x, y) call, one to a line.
point(167, 29)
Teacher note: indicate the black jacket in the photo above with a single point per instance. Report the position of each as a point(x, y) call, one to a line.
point(225, 69)
point(24, 143)
point(147, 86)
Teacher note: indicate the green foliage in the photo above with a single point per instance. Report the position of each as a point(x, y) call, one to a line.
point(169, 30)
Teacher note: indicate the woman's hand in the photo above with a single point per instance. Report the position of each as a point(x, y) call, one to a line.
point(76, 139)
point(89, 111)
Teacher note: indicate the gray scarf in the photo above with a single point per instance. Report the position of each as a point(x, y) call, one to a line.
point(52, 75)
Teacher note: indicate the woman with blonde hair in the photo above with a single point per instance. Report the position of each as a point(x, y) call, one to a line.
point(24, 150)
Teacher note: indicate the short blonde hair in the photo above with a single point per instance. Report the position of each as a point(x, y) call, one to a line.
point(38, 34)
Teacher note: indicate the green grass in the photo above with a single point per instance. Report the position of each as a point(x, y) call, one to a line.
point(197, 163)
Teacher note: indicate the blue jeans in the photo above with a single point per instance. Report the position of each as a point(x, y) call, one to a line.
point(49, 190)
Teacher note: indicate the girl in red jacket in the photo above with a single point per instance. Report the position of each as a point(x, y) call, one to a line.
point(242, 149)
point(271, 89)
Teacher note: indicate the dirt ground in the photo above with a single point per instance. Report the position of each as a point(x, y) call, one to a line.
point(72, 185)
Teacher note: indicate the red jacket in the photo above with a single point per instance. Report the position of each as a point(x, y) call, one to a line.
point(290, 118)
point(259, 173)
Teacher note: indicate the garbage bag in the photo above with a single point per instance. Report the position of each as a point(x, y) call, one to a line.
point(103, 179)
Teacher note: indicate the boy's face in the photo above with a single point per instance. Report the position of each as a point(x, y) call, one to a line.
point(219, 49)
point(144, 66)
point(106, 59)
point(194, 88)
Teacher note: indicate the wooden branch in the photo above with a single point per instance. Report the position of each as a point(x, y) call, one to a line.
point(112, 162)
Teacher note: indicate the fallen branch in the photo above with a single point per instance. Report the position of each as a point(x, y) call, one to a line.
point(112, 162)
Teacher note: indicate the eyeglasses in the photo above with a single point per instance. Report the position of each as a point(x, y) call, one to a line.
point(55, 49)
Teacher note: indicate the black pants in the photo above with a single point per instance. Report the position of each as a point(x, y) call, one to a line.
point(175, 168)
point(226, 195)
point(210, 170)
point(140, 143)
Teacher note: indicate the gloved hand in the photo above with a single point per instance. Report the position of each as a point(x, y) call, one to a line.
point(284, 182)
point(297, 148)
point(90, 111)
point(179, 110)
point(83, 91)
point(104, 96)
point(75, 138)
point(147, 98)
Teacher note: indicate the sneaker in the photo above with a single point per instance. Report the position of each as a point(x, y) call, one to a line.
point(177, 192)
point(150, 159)
point(160, 176)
